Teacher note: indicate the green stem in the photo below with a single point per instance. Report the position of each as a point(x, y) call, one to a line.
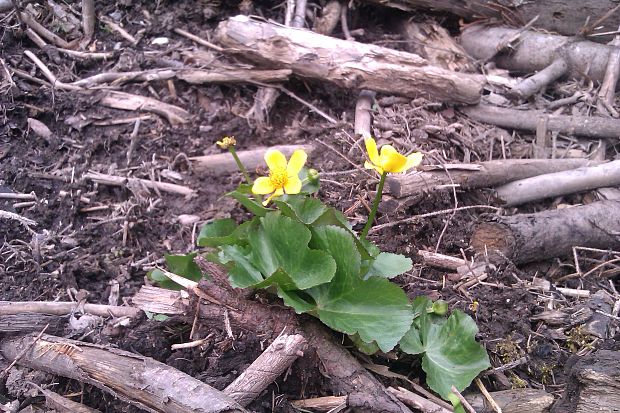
point(233, 152)
point(375, 205)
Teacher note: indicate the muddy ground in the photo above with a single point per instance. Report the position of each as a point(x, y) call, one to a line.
point(89, 236)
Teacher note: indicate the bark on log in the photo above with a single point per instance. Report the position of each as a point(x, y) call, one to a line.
point(554, 15)
point(594, 127)
point(514, 401)
point(593, 385)
point(536, 51)
point(30, 323)
point(559, 183)
point(347, 64)
point(482, 175)
point(141, 381)
point(533, 237)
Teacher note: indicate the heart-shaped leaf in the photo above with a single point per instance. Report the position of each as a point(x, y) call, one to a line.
point(250, 204)
point(375, 309)
point(452, 357)
point(282, 243)
point(222, 232)
point(389, 265)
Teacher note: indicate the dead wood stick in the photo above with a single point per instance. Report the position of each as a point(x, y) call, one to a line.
point(416, 401)
point(147, 183)
point(141, 381)
point(330, 15)
point(480, 175)
point(42, 31)
point(594, 127)
point(607, 91)
point(347, 64)
point(63, 308)
point(24, 323)
point(126, 101)
point(363, 117)
point(274, 361)
point(197, 39)
point(12, 215)
point(559, 183)
point(514, 401)
point(559, 16)
point(88, 19)
point(320, 404)
point(48, 73)
point(21, 353)
point(194, 76)
point(62, 404)
point(526, 238)
point(537, 51)
point(435, 259)
point(539, 81)
point(223, 163)
point(160, 300)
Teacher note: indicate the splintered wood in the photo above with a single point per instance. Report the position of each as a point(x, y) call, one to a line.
point(348, 64)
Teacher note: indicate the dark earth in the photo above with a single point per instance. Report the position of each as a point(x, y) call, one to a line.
point(89, 236)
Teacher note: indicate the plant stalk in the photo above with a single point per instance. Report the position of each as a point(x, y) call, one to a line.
point(375, 205)
point(244, 171)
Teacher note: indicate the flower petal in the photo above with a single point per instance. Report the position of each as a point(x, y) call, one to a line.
point(371, 148)
point(297, 161)
point(413, 160)
point(275, 159)
point(391, 160)
point(262, 186)
point(293, 185)
point(277, 193)
point(377, 168)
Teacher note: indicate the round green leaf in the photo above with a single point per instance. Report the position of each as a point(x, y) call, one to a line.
point(389, 265)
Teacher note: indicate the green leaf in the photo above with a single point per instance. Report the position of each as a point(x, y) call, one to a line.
point(298, 300)
point(182, 265)
point(243, 274)
point(375, 309)
point(251, 205)
point(452, 357)
point(303, 208)
point(389, 265)
point(221, 232)
point(282, 243)
point(366, 348)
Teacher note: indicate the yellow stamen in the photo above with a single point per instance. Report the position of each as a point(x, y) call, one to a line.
point(278, 177)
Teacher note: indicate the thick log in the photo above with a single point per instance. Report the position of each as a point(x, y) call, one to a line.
point(593, 385)
point(533, 237)
point(553, 15)
point(514, 401)
point(347, 64)
point(481, 175)
point(535, 51)
point(141, 381)
point(594, 127)
point(32, 322)
point(559, 183)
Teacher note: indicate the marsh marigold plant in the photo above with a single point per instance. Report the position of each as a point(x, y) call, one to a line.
point(389, 160)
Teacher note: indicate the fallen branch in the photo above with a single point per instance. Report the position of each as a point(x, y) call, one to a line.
point(62, 404)
point(416, 401)
point(558, 16)
point(126, 101)
point(347, 64)
point(594, 127)
point(321, 404)
point(13, 216)
point(559, 183)
point(64, 308)
point(141, 381)
point(270, 365)
point(538, 51)
point(480, 175)
point(525, 238)
point(147, 183)
point(223, 163)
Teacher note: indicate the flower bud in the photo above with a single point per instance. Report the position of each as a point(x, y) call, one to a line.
point(313, 176)
point(440, 307)
point(227, 142)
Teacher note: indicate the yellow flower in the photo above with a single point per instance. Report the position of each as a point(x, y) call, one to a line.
point(226, 142)
point(283, 176)
point(389, 161)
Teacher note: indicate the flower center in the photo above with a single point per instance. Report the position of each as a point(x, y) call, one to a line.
point(278, 177)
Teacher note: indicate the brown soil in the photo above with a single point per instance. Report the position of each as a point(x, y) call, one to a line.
point(76, 246)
